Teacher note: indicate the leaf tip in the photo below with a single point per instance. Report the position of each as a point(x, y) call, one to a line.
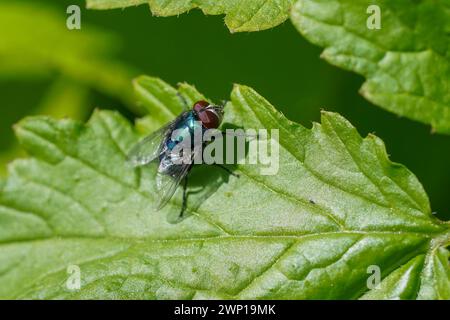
point(329, 115)
point(137, 80)
point(22, 123)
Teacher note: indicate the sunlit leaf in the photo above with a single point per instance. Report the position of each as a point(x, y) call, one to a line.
point(406, 62)
point(337, 207)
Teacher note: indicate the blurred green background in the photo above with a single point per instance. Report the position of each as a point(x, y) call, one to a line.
point(47, 69)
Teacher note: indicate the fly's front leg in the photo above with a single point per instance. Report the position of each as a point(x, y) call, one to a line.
point(184, 203)
point(183, 101)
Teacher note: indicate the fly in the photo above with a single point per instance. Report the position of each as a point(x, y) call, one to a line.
point(160, 146)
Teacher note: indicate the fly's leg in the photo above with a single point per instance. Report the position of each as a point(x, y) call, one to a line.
point(183, 100)
point(226, 169)
point(184, 203)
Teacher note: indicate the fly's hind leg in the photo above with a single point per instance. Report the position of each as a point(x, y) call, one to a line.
point(227, 170)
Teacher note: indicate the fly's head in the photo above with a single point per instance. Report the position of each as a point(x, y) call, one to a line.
point(210, 115)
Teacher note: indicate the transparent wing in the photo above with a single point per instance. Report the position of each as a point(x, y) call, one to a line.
point(150, 147)
point(167, 184)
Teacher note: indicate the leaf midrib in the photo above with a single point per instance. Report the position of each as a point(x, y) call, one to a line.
point(135, 242)
point(425, 235)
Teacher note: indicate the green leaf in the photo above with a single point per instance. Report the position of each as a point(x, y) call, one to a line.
point(337, 206)
point(406, 63)
point(77, 62)
point(250, 15)
point(62, 92)
point(83, 57)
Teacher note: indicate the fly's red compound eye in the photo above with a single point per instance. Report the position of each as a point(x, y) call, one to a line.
point(200, 105)
point(209, 117)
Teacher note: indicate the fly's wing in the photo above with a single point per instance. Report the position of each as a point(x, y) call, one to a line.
point(149, 148)
point(167, 184)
